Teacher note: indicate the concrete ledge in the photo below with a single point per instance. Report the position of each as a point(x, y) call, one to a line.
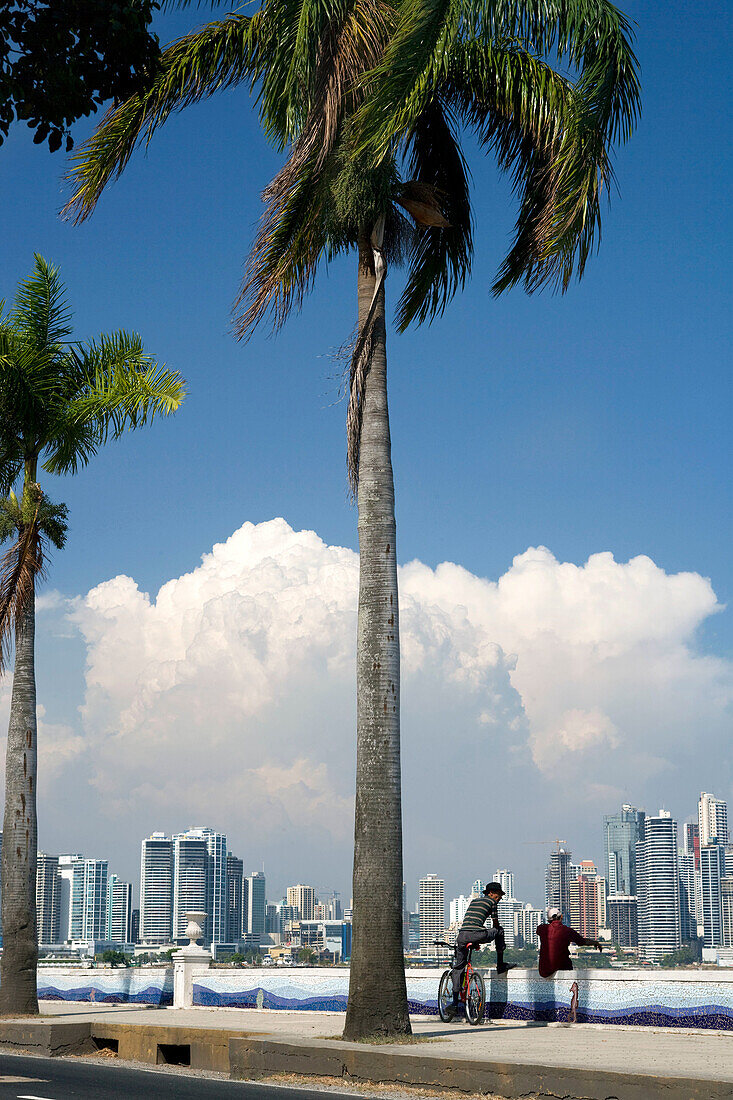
point(209, 1047)
point(47, 1037)
point(252, 1057)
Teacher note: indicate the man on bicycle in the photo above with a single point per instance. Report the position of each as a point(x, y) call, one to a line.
point(474, 931)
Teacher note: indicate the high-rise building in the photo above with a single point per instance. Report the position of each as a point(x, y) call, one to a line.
point(477, 889)
point(691, 844)
point(66, 890)
point(689, 903)
point(726, 910)
point(728, 858)
point(457, 909)
point(623, 919)
point(557, 883)
point(235, 907)
point(200, 882)
point(135, 926)
point(506, 881)
point(712, 816)
point(89, 900)
point(622, 831)
point(302, 899)
point(257, 903)
point(119, 910)
point(526, 920)
point(48, 889)
point(156, 890)
point(588, 900)
point(658, 881)
point(507, 909)
point(712, 871)
point(273, 927)
point(432, 911)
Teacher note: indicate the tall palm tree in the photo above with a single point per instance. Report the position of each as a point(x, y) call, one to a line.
point(59, 402)
point(369, 100)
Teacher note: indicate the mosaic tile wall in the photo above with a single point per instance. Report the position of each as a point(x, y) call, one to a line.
point(634, 999)
point(119, 986)
point(688, 999)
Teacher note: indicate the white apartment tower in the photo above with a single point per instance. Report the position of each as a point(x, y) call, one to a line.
point(66, 890)
point(200, 882)
point(658, 881)
point(89, 900)
point(303, 899)
point(432, 911)
point(712, 872)
point(156, 890)
point(257, 903)
point(457, 909)
point(712, 814)
point(119, 910)
point(506, 881)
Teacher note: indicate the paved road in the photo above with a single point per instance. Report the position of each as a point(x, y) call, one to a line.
point(61, 1079)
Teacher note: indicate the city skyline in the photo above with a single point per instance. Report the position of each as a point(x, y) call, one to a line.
point(676, 888)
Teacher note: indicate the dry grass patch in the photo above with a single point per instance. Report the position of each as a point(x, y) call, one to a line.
point(375, 1089)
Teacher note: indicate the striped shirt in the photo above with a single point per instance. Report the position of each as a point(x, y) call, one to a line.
point(479, 911)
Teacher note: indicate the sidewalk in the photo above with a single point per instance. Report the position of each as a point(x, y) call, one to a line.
point(584, 1060)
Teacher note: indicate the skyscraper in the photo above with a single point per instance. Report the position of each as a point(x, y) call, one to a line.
point(257, 903)
point(457, 909)
point(89, 900)
point(712, 815)
point(712, 871)
point(689, 880)
point(557, 883)
point(432, 911)
point(156, 890)
point(302, 899)
point(66, 889)
point(658, 881)
point(588, 900)
point(235, 906)
point(692, 841)
point(526, 920)
point(48, 889)
point(623, 919)
point(622, 831)
point(119, 910)
point(200, 882)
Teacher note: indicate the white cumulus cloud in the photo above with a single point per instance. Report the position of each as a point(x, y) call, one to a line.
point(554, 692)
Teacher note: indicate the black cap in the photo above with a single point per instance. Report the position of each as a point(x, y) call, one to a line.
point(494, 888)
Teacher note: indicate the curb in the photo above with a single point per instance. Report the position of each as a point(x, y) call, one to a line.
point(252, 1058)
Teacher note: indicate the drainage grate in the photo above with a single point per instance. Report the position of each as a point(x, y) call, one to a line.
point(174, 1054)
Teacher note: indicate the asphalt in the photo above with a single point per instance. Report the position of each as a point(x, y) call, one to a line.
point(66, 1079)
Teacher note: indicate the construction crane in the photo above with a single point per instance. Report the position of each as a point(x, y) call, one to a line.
point(554, 840)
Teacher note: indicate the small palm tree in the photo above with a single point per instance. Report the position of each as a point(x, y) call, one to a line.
point(59, 402)
point(369, 100)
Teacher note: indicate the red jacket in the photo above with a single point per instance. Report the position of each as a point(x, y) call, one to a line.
point(555, 938)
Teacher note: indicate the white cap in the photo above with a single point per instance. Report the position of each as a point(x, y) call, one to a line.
point(553, 913)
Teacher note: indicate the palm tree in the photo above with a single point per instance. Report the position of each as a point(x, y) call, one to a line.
point(59, 402)
point(369, 100)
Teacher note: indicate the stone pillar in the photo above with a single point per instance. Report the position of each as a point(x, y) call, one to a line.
point(189, 961)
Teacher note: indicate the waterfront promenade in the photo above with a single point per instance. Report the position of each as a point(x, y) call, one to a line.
point(507, 1058)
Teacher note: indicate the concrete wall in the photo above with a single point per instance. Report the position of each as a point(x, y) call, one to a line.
point(688, 998)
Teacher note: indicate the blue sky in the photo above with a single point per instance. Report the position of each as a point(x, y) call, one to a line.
point(597, 421)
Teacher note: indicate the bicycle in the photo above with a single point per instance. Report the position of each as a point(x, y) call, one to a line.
point(472, 992)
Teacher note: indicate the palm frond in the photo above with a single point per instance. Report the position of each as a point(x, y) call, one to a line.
point(40, 310)
point(220, 55)
point(119, 388)
point(440, 258)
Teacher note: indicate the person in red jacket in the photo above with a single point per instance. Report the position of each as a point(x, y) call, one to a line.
point(555, 939)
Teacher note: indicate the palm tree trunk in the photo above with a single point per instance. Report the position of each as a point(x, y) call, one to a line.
point(377, 990)
point(19, 841)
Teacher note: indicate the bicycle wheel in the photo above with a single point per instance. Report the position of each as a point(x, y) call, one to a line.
point(475, 998)
point(445, 997)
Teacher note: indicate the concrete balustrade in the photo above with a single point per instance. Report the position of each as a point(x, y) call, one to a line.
point(680, 998)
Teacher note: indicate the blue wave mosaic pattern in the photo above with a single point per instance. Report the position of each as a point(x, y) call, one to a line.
point(123, 986)
point(634, 999)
